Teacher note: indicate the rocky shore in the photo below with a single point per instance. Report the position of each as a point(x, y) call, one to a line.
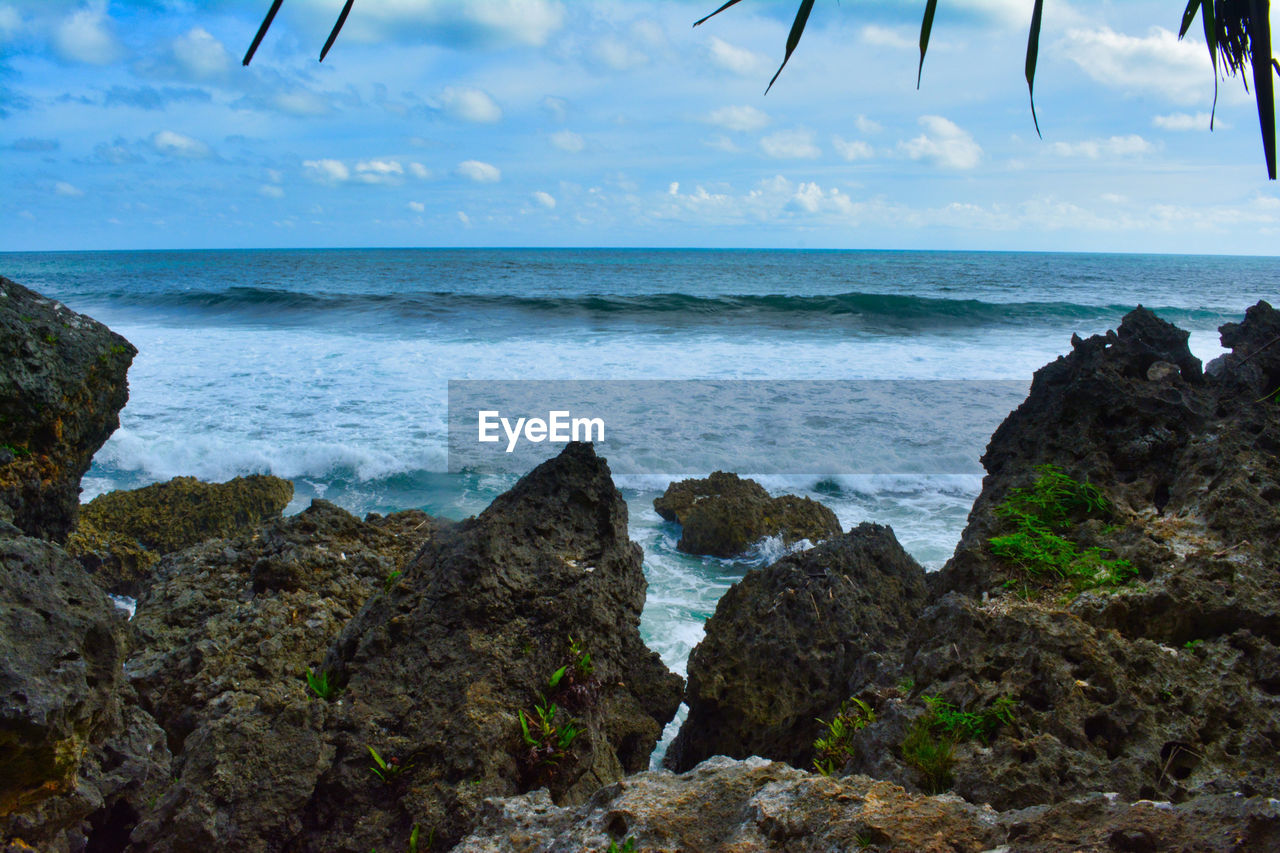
point(1096, 668)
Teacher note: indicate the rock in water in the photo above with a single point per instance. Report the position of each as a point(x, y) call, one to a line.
point(724, 515)
point(122, 534)
point(62, 386)
point(791, 641)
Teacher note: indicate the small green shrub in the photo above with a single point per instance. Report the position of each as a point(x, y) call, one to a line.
point(1036, 547)
point(17, 451)
point(393, 578)
point(321, 685)
point(929, 745)
point(931, 754)
point(834, 747)
point(628, 846)
point(389, 770)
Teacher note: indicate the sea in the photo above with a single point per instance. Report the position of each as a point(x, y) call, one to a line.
point(331, 367)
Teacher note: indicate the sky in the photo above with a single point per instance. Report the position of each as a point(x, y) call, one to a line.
point(133, 125)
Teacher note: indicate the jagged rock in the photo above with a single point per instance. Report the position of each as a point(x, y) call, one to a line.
point(432, 672)
point(791, 641)
point(122, 534)
point(77, 752)
point(754, 805)
point(61, 391)
point(227, 633)
point(724, 515)
point(1163, 688)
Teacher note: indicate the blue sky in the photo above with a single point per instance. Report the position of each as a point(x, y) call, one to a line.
point(558, 123)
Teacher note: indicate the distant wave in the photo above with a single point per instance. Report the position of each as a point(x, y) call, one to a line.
point(864, 311)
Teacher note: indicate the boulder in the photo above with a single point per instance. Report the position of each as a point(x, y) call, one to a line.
point(122, 534)
point(439, 668)
point(227, 634)
point(754, 806)
point(78, 754)
point(61, 391)
point(1157, 686)
point(724, 515)
point(790, 642)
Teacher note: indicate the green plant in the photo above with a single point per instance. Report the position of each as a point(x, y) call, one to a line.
point(581, 658)
point(835, 746)
point(388, 771)
point(548, 741)
point(392, 579)
point(1193, 644)
point(321, 685)
point(628, 846)
point(931, 754)
point(929, 745)
point(1036, 547)
point(18, 451)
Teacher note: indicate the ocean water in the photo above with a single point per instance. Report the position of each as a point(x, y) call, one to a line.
point(331, 367)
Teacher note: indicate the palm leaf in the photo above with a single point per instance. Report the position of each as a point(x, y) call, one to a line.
point(926, 28)
point(262, 30)
point(793, 38)
point(717, 11)
point(337, 28)
point(1033, 53)
point(1263, 88)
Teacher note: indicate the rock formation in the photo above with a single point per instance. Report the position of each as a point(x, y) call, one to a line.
point(121, 535)
point(793, 640)
point(61, 391)
point(724, 515)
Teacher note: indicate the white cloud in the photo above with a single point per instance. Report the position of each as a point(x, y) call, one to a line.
point(271, 191)
point(1186, 121)
point(866, 125)
point(464, 219)
point(723, 143)
point(811, 198)
point(491, 24)
point(172, 144)
point(470, 104)
point(327, 171)
point(379, 172)
point(480, 172)
point(887, 37)
point(557, 107)
point(545, 199)
point(743, 119)
point(567, 140)
point(1157, 62)
point(85, 36)
point(10, 22)
point(1093, 149)
point(417, 207)
point(300, 102)
point(63, 188)
point(674, 188)
point(618, 55)
point(739, 60)
point(200, 54)
point(419, 171)
point(791, 145)
point(945, 143)
point(854, 149)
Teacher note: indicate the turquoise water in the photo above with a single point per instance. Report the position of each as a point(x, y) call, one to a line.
point(330, 367)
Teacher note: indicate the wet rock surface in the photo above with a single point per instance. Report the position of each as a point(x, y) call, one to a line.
point(793, 640)
point(61, 391)
point(756, 805)
point(122, 535)
point(724, 515)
